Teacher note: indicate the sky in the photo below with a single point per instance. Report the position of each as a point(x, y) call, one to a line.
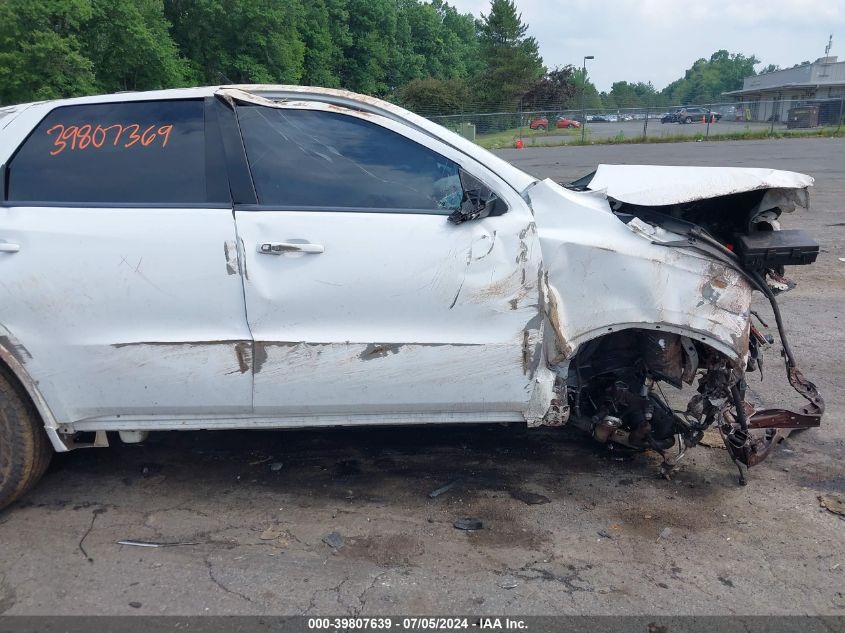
point(657, 40)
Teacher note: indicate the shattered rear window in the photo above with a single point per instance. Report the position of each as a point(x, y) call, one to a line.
point(306, 158)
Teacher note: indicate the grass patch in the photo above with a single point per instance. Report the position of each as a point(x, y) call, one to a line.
point(506, 139)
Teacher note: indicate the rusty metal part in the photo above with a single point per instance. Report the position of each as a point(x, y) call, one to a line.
point(782, 419)
point(777, 424)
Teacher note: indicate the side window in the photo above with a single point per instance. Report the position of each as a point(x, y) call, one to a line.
point(308, 158)
point(131, 152)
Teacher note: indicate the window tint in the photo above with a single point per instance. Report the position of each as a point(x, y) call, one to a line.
point(307, 158)
point(135, 152)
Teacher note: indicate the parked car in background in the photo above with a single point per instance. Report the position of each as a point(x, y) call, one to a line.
point(542, 123)
point(245, 257)
point(564, 122)
point(670, 117)
point(696, 114)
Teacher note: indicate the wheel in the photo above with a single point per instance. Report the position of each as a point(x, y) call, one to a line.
point(541, 127)
point(25, 450)
point(569, 125)
point(688, 120)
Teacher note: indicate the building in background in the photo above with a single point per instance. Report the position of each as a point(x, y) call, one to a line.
point(821, 83)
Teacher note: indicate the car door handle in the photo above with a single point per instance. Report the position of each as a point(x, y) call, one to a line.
point(8, 247)
point(279, 248)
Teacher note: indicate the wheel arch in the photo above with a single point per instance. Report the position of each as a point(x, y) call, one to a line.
point(13, 359)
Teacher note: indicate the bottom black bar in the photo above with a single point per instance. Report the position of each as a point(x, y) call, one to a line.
point(492, 624)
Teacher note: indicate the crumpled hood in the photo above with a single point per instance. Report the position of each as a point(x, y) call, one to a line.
point(656, 185)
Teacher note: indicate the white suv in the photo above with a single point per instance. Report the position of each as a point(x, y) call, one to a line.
point(272, 256)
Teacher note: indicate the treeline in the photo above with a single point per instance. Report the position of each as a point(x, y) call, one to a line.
point(703, 83)
point(59, 48)
point(424, 54)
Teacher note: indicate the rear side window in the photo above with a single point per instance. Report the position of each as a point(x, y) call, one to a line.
point(307, 158)
point(133, 152)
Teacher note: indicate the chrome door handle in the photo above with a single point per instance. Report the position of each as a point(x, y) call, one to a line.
point(280, 248)
point(8, 247)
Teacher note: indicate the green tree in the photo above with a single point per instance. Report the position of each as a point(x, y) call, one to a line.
point(511, 59)
point(129, 43)
point(41, 53)
point(461, 47)
point(556, 89)
point(244, 41)
point(434, 96)
point(584, 88)
point(706, 80)
point(367, 57)
point(325, 34)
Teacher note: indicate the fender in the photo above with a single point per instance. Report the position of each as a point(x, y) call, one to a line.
point(603, 275)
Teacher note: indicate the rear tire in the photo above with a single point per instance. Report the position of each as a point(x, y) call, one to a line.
point(25, 450)
point(541, 128)
point(688, 120)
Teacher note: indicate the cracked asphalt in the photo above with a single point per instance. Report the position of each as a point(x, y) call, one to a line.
point(246, 513)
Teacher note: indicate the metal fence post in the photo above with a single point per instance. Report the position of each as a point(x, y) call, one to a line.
point(709, 116)
point(772, 127)
point(645, 124)
point(841, 114)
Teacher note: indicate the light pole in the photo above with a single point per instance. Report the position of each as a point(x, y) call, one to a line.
point(583, 91)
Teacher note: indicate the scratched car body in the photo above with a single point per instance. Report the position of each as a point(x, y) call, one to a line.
point(262, 256)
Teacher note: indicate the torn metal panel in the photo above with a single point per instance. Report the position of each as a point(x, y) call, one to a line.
point(586, 249)
point(657, 185)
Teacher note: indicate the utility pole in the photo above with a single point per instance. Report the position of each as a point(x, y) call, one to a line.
point(583, 91)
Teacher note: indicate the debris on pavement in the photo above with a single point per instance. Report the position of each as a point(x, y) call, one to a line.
point(276, 466)
point(528, 497)
point(135, 605)
point(445, 488)
point(154, 544)
point(712, 439)
point(508, 582)
point(604, 534)
point(469, 524)
point(334, 540)
point(833, 503)
point(665, 533)
point(271, 533)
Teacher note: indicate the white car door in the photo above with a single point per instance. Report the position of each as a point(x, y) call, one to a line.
point(119, 283)
point(365, 303)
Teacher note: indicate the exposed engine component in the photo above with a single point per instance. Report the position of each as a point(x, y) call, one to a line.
point(615, 395)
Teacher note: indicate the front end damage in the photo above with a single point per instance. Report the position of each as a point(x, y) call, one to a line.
point(648, 290)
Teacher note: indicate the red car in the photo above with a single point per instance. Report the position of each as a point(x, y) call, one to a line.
point(542, 123)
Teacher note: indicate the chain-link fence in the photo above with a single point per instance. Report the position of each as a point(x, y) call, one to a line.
point(554, 126)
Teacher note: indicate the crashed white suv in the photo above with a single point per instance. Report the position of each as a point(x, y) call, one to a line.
point(250, 257)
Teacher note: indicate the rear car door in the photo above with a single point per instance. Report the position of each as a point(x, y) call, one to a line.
point(365, 302)
point(119, 280)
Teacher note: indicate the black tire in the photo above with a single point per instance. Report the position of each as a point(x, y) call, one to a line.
point(541, 127)
point(25, 450)
point(569, 125)
point(688, 120)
